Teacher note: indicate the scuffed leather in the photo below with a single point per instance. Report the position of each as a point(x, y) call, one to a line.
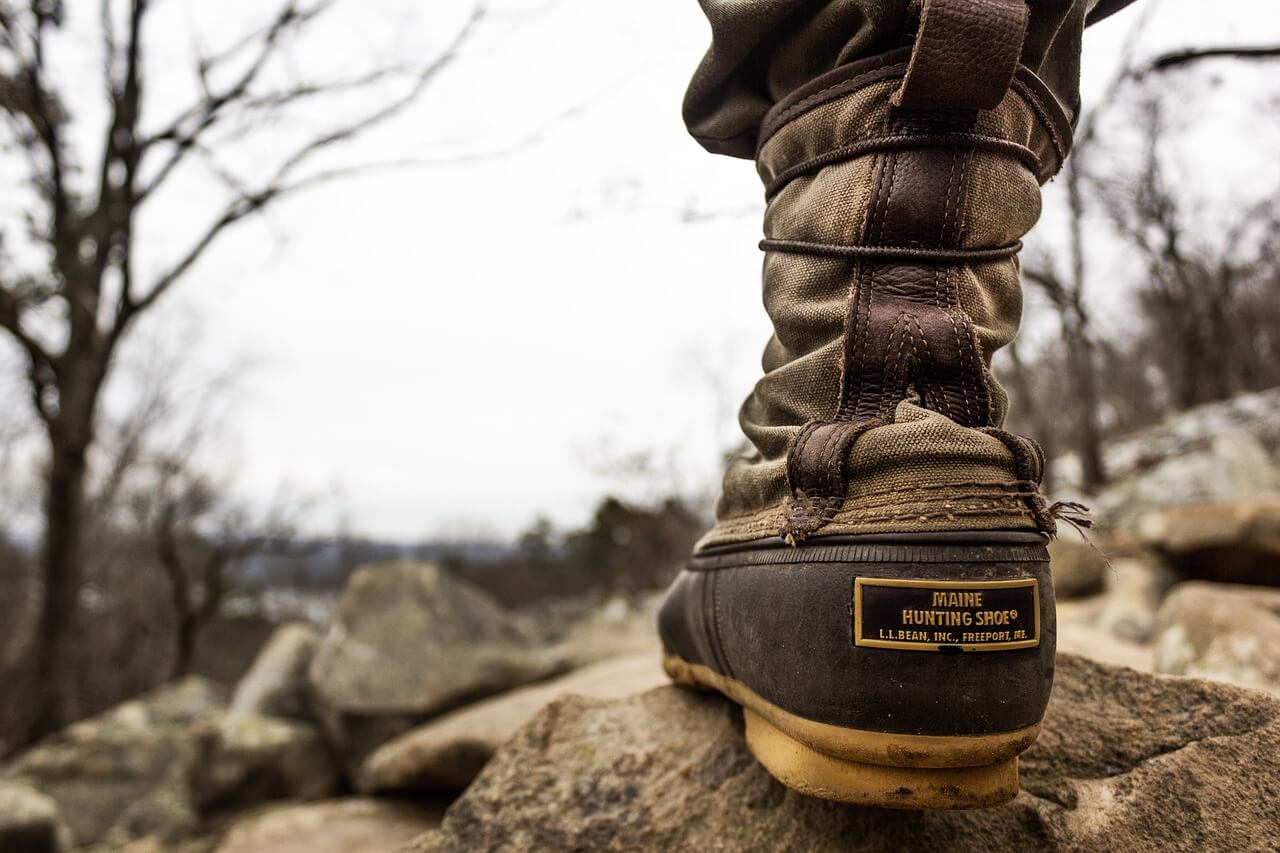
point(965, 55)
point(786, 631)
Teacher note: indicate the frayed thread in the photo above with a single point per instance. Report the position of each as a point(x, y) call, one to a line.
point(1075, 514)
point(1078, 516)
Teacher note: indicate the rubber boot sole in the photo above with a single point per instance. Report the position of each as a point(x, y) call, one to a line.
point(870, 768)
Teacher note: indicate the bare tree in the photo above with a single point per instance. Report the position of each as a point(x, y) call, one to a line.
point(1209, 301)
point(1190, 323)
point(1066, 285)
point(70, 309)
point(199, 532)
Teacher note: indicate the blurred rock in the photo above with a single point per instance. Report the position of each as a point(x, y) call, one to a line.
point(1226, 466)
point(1126, 761)
point(447, 753)
point(1227, 633)
point(125, 766)
point(276, 684)
point(1236, 542)
point(157, 844)
point(1103, 646)
point(1214, 453)
point(354, 825)
point(29, 821)
point(409, 641)
point(1077, 566)
point(244, 760)
point(1134, 588)
point(617, 628)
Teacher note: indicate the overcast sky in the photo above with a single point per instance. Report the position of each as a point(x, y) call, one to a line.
point(460, 346)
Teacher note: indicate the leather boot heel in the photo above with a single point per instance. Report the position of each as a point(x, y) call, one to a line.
point(903, 671)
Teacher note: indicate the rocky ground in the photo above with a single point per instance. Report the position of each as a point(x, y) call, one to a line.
point(554, 730)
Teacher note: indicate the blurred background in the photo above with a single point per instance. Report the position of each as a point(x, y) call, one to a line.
point(292, 288)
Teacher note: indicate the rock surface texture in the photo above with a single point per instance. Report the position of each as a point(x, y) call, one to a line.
point(1126, 761)
point(1215, 453)
point(243, 760)
point(409, 639)
point(1227, 633)
point(276, 684)
point(448, 752)
point(407, 642)
point(1078, 568)
point(353, 825)
point(29, 821)
point(1237, 542)
point(123, 771)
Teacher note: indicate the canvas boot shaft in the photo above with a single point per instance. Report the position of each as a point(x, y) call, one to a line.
point(891, 278)
point(876, 589)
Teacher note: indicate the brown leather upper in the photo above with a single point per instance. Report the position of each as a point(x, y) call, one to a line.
point(965, 55)
point(780, 621)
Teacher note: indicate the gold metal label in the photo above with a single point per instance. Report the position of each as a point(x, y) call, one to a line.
point(946, 616)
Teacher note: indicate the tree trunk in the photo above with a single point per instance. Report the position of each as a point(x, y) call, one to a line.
point(185, 616)
point(1084, 371)
point(1039, 416)
point(62, 576)
point(184, 652)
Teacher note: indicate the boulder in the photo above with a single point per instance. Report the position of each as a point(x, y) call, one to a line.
point(1213, 453)
point(1133, 590)
point(244, 760)
point(29, 821)
point(1227, 633)
point(1237, 542)
point(124, 766)
point(353, 825)
point(276, 684)
point(1231, 465)
point(1097, 644)
point(1078, 568)
point(448, 752)
point(409, 641)
point(1126, 761)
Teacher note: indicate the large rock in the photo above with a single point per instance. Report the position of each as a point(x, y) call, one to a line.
point(1126, 761)
point(157, 769)
point(448, 752)
point(352, 825)
point(1227, 633)
point(244, 760)
point(124, 767)
point(1078, 568)
point(276, 684)
point(29, 821)
point(1133, 591)
point(1088, 640)
point(409, 641)
point(1236, 542)
point(1226, 466)
point(1213, 453)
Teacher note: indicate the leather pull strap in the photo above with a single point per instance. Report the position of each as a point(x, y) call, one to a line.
point(965, 55)
point(817, 474)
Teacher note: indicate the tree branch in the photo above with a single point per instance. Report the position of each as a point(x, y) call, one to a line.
point(11, 322)
point(1179, 58)
point(282, 182)
point(41, 368)
point(186, 130)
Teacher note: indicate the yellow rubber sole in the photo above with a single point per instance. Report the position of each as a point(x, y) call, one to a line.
point(870, 768)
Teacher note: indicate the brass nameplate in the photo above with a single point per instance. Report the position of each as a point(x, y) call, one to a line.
point(940, 616)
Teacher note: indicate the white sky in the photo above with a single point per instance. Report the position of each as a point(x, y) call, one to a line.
point(454, 347)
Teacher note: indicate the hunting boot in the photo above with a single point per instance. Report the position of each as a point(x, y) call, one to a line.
point(876, 591)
